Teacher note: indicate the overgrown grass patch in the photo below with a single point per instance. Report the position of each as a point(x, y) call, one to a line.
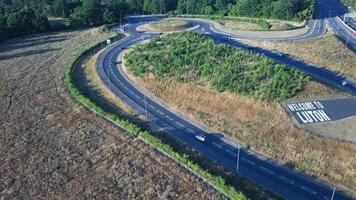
point(188, 57)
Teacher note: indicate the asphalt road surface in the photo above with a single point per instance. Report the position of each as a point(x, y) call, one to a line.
point(333, 11)
point(275, 177)
point(308, 112)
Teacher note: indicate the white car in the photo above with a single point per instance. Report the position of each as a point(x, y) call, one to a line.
point(201, 138)
point(280, 54)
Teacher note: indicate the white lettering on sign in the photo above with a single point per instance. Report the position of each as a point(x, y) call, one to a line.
point(309, 112)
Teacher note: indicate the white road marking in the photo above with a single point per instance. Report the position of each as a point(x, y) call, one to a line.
point(132, 92)
point(168, 117)
point(308, 190)
point(286, 180)
point(151, 106)
point(137, 96)
point(326, 198)
point(190, 130)
point(230, 152)
point(266, 170)
point(217, 145)
point(160, 112)
point(179, 124)
point(248, 161)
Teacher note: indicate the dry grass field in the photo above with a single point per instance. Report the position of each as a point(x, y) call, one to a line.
point(262, 126)
point(327, 51)
point(51, 148)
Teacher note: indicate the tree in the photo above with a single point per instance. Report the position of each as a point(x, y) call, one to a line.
point(155, 6)
point(40, 23)
point(207, 10)
point(21, 21)
point(60, 8)
point(283, 9)
point(77, 19)
point(88, 14)
point(245, 8)
point(91, 12)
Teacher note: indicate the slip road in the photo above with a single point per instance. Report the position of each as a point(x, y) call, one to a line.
point(277, 178)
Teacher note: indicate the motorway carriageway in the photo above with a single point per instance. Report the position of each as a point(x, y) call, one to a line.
point(277, 178)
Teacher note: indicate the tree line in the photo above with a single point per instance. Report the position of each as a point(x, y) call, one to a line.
point(19, 17)
point(188, 57)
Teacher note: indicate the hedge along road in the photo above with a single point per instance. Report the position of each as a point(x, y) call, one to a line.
point(280, 179)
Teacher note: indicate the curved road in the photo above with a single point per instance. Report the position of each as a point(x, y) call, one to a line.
point(275, 177)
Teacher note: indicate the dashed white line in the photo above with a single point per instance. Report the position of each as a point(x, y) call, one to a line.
point(230, 152)
point(160, 112)
point(266, 170)
point(190, 130)
point(217, 145)
point(286, 180)
point(137, 96)
point(151, 106)
point(179, 124)
point(248, 161)
point(168, 117)
point(308, 190)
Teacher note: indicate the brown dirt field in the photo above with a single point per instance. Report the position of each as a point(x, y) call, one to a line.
point(327, 51)
point(51, 148)
point(264, 127)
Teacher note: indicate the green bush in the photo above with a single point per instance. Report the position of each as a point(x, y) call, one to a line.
point(187, 56)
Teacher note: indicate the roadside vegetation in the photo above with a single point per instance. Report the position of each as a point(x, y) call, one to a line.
point(189, 57)
point(275, 9)
point(134, 130)
point(327, 51)
point(167, 25)
point(254, 24)
point(86, 79)
point(262, 126)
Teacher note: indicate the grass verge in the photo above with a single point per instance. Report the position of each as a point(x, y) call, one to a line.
point(134, 131)
point(168, 25)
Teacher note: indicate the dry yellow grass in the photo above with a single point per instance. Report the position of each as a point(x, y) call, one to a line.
point(276, 25)
point(94, 82)
point(264, 127)
point(51, 148)
point(239, 25)
point(167, 25)
point(327, 51)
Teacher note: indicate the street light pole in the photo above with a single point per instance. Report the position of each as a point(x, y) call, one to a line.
point(332, 196)
point(348, 36)
point(109, 80)
point(145, 107)
point(238, 158)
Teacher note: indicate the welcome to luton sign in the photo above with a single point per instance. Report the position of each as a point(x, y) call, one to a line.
point(309, 112)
